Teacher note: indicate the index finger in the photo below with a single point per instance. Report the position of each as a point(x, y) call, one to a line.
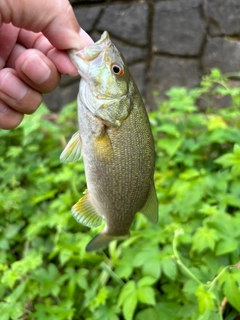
point(8, 36)
point(32, 40)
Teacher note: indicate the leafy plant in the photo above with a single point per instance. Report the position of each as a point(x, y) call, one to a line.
point(185, 267)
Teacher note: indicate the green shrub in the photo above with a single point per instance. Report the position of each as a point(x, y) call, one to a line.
point(185, 267)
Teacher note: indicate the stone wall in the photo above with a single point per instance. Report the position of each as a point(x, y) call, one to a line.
point(165, 43)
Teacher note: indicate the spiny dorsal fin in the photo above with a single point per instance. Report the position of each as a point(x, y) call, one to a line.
point(84, 212)
point(150, 208)
point(72, 151)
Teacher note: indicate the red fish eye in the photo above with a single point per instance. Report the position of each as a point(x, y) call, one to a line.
point(117, 70)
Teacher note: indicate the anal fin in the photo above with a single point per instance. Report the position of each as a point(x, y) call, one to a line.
point(150, 208)
point(72, 151)
point(85, 213)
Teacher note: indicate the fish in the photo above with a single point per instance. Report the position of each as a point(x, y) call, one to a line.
point(116, 143)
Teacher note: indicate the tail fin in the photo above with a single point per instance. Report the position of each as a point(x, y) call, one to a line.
point(101, 241)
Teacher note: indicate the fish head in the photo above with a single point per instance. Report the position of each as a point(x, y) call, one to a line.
point(106, 78)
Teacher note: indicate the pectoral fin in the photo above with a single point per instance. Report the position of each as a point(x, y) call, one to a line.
point(103, 147)
point(85, 213)
point(72, 151)
point(150, 208)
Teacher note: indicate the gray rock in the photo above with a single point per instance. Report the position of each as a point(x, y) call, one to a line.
point(223, 16)
point(130, 53)
point(217, 101)
point(126, 21)
point(95, 35)
point(170, 72)
point(138, 73)
point(178, 27)
point(87, 16)
point(68, 80)
point(221, 53)
point(62, 95)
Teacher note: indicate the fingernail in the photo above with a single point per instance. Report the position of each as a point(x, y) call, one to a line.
point(86, 37)
point(36, 69)
point(13, 87)
point(3, 107)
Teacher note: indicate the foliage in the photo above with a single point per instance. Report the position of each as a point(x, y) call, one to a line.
point(185, 267)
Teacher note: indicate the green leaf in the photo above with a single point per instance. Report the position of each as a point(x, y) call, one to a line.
point(206, 299)
point(170, 145)
point(189, 174)
point(128, 290)
point(204, 238)
point(231, 160)
point(14, 296)
point(21, 267)
point(11, 311)
point(169, 267)
point(149, 313)
point(190, 287)
point(232, 291)
point(44, 196)
point(152, 268)
point(146, 295)
point(106, 312)
point(129, 306)
point(226, 245)
point(14, 152)
point(168, 310)
point(124, 271)
point(146, 281)
point(169, 128)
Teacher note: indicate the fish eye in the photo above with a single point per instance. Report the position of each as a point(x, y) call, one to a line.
point(117, 70)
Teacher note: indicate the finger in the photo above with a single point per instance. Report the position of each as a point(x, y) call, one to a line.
point(38, 41)
point(16, 51)
point(8, 37)
point(34, 68)
point(9, 118)
point(34, 40)
point(62, 62)
point(37, 70)
point(16, 94)
point(86, 37)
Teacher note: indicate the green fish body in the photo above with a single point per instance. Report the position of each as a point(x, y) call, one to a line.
point(116, 143)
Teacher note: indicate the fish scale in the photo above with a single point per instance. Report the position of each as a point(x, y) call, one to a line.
point(116, 145)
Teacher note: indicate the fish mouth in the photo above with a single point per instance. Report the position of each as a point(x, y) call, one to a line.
point(82, 58)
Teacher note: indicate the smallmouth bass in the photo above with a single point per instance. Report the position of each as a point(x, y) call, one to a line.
point(116, 143)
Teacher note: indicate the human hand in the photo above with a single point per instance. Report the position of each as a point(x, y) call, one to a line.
point(33, 37)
